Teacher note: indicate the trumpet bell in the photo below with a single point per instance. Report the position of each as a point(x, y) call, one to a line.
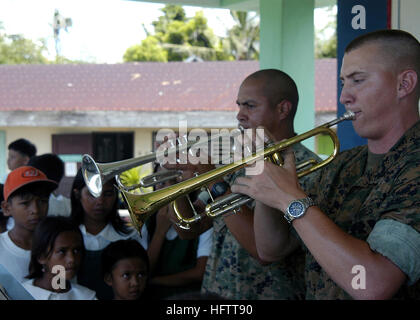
point(92, 175)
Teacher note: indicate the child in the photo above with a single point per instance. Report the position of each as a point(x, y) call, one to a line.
point(100, 223)
point(53, 167)
point(3, 219)
point(26, 193)
point(125, 267)
point(176, 265)
point(20, 151)
point(57, 242)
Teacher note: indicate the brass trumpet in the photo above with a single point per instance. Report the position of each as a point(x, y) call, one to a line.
point(97, 174)
point(141, 207)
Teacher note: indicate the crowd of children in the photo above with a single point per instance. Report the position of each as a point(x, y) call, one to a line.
point(87, 254)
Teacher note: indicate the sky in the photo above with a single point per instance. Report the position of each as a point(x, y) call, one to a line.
point(101, 30)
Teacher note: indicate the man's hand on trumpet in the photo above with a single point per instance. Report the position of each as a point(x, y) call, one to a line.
point(276, 186)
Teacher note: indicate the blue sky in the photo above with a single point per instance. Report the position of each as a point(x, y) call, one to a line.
point(102, 29)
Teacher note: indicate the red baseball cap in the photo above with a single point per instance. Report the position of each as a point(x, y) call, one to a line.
point(23, 176)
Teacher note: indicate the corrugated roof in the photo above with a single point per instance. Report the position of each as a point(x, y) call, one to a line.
point(175, 86)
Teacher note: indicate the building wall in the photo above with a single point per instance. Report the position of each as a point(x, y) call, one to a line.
point(42, 138)
point(405, 16)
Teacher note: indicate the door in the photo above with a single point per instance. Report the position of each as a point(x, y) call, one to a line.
point(70, 148)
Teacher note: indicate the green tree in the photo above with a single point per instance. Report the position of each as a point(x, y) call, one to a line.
point(171, 13)
point(243, 38)
point(15, 49)
point(179, 37)
point(18, 50)
point(148, 50)
point(326, 45)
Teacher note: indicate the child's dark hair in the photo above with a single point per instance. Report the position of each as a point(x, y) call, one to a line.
point(23, 146)
point(50, 164)
point(44, 238)
point(122, 249)
point(39, 189)
point(77, 211)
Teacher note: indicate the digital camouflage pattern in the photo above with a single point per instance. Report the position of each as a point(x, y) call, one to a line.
point(356, 198)
point(231, 272)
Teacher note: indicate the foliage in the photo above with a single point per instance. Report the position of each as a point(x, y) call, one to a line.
point(177, 38)
point(244, 37)
point(326, 47)
point(63, 60)
point(148, 50)
point(18, 50)
point(133, 176)
point(15, 49)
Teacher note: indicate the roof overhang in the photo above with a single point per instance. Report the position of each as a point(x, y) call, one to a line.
point(117, 119)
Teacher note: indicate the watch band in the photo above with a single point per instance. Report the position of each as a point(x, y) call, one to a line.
point(306, 202)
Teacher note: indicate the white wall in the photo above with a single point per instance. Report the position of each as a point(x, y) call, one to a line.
point(405, 16)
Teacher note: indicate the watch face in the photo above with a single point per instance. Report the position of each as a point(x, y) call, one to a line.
point(296, 208)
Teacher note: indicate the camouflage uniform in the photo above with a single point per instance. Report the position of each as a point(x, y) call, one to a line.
point(232, 273)
point(378, 203)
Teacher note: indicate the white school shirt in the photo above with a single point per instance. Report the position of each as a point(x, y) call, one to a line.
point(13, 258)
point(204, 241)
point(59, 206)
point(76, 292)
point(108, 235)
point(10, 223)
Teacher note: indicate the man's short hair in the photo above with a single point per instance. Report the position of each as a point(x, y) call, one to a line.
point(23, 146)
point(278, 86)
point(396, 45)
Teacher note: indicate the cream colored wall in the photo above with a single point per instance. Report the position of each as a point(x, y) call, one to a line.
point(39, 136)
point(142, 142)
point(42, 137)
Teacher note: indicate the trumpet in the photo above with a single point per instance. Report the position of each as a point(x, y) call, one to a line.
point(97, 174)
point(141, 207)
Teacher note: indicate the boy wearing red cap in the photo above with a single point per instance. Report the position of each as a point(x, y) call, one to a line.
point(26, 194)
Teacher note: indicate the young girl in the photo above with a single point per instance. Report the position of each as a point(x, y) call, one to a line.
point(125, 267)
point(100, 224)
point(176, 265)
point(57, 246)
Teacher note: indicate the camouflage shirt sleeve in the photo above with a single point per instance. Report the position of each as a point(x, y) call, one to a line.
point(400, 243)
point(397, 234)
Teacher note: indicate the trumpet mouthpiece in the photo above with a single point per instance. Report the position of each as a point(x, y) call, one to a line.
point(349, 115)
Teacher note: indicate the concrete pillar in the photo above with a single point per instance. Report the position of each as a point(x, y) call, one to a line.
point(287, 43)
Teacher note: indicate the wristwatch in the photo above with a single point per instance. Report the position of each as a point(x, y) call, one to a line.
point(297, 208)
